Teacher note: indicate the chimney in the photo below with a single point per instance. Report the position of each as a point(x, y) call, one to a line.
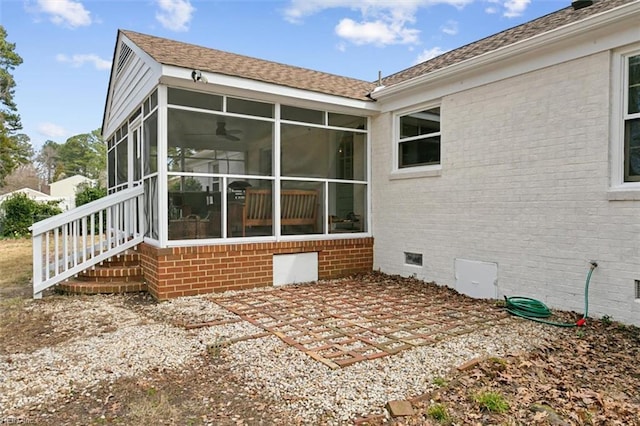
point(580, 4)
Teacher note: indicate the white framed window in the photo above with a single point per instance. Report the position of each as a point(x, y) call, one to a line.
point(631, 118)
point(417, 140)
point(626, 120)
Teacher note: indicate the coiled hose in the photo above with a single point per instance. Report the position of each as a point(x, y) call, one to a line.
point(535, 310)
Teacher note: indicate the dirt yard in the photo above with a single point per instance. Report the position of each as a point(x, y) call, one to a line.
point(68, 360)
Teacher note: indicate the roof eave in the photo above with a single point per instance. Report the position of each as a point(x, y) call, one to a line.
point(627, 11)
point(177, 77)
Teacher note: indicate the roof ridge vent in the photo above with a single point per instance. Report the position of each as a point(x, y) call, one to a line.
point(581, 4)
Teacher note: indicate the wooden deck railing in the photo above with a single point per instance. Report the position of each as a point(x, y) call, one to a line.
point(68, 243)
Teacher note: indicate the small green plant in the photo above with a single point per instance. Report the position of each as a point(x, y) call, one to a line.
point(438, 412)
point(492, 401)
point(500, 361)
point(606, 320)
point(439, 381)
point(152, 391)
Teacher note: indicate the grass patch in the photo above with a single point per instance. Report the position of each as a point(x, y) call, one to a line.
point(439, 381)
point(439, 413)
point(492, 401)
point(16, 263)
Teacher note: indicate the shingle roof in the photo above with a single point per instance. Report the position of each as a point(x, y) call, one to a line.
point(170, 52)
point(522, 32)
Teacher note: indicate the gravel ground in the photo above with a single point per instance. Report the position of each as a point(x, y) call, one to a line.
point(113, 337)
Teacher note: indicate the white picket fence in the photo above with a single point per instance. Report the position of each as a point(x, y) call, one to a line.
point(71, 242)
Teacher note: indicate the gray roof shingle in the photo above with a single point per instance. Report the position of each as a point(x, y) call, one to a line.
point(510, 36)
point(170, 52)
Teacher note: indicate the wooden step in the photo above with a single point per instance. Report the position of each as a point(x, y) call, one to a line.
point(88, 287)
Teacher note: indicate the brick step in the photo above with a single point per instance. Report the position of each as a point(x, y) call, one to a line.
point(128, 258)
point(87, 287)
point(111, 274)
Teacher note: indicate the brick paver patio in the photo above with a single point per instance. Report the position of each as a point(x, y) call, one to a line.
point(343, 322)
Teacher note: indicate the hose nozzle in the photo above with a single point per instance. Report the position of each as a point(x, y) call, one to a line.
point(594, 264)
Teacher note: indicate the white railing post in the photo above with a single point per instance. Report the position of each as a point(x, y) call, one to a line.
point(37, 265)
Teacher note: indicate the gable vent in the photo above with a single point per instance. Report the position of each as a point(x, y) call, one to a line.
point(580, 4)
point(125, 54)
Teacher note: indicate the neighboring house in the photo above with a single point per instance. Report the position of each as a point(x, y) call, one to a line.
point(66, 189)
point(499, 168)
point(38, 196)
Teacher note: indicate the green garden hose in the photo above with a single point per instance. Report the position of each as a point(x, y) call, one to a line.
point(535, 310)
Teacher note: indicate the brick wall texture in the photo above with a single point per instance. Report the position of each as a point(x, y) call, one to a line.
point(524, 182)
point(186, 271)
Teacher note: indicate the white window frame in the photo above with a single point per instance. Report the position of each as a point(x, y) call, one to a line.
point(621, 189)
point(398, 172)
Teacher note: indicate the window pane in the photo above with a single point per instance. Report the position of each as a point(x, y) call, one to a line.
point(194, 99)
point(243, 106)
point(634, 84)
point(632, 150)
point(301, 208)
point(350, 121)
point(250, 208)
point(194, 207)
point(137, 158)
point(150, 137)
point(122, 165)
point(202, 142)
point(322, 153)
point(420, 152)
point(420, 123)
point(151, 207)
point(347, 207)
point(301, 114)
point(111, 163)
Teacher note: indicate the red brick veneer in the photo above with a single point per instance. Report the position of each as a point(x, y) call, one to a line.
point(186, 271)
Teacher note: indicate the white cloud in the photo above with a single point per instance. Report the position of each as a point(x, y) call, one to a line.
point(491, 10)
point(377, 32)
point(429, 54)
point(52, 131)
point(175, 15)
point(382, 21)
point(79, 60)
point(450, 28)
point(515, 8)
point(299, 9)
point(65, 12)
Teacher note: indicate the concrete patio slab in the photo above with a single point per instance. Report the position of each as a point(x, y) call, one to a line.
point(346, 321)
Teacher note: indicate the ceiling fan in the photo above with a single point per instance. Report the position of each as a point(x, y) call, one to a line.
point(221, 132)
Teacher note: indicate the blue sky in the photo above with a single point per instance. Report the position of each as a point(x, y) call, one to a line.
point(67, 45)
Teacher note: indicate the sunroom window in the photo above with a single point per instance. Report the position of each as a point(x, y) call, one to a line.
point(632, 120)
point(419, 138)
point(228, 176)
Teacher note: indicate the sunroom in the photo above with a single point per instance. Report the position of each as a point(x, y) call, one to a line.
point(235, 169)
point(226, 172)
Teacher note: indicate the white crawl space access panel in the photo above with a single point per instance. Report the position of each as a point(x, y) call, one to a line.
point(477, 279)
point(295, 268)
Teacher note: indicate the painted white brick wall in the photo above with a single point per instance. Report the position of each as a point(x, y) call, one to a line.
point(525, 174)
